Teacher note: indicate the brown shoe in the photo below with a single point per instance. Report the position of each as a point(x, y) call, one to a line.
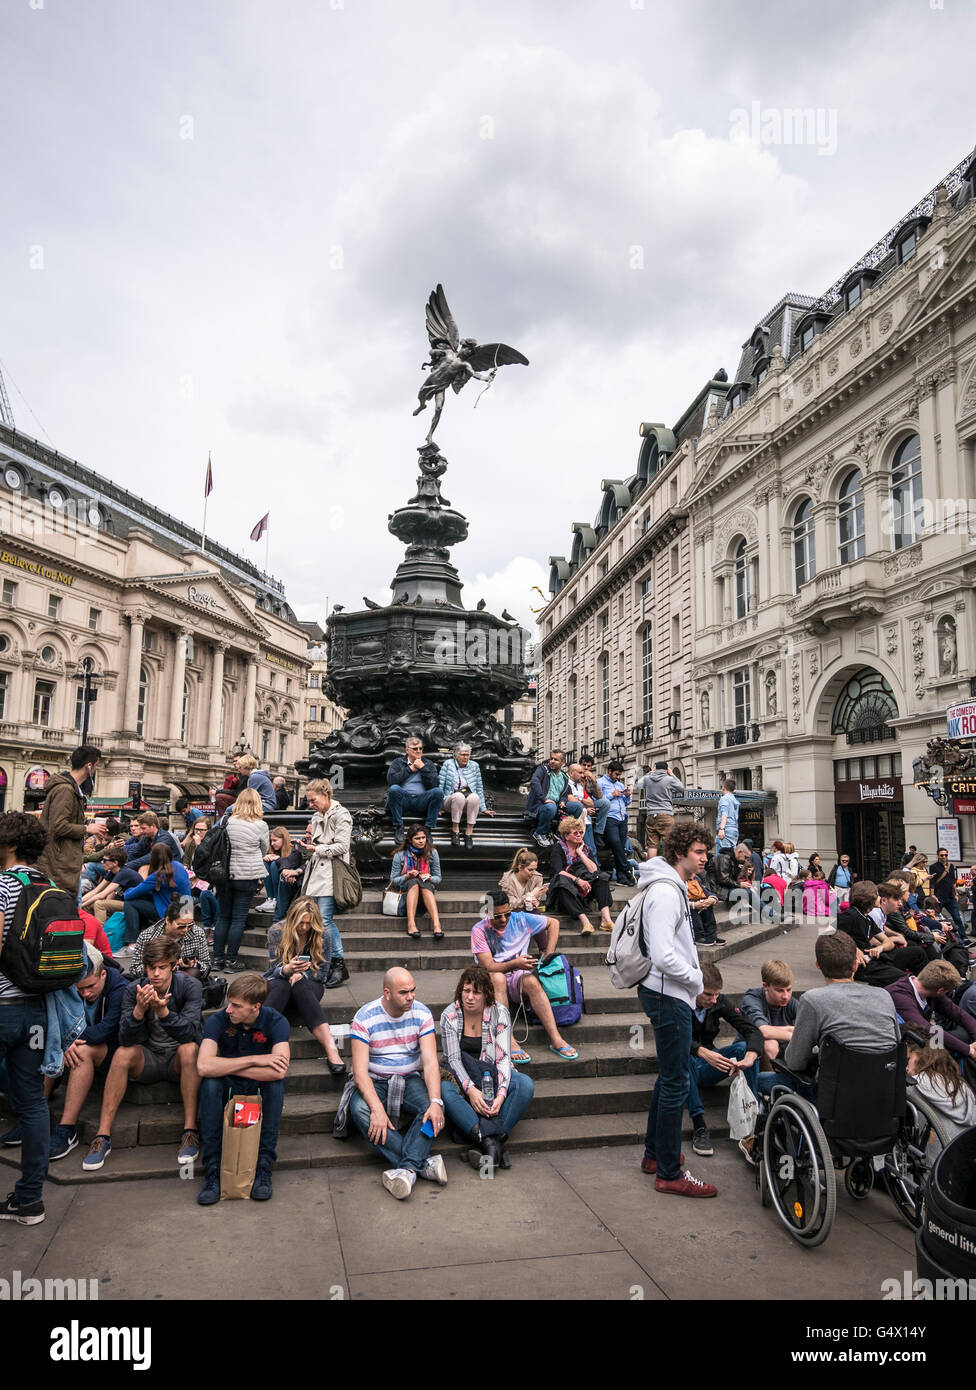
point(587, 930)
point(649, 1165)
point(685, 1186)
point(606, 926)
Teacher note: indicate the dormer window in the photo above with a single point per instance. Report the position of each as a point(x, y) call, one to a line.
point(853, 295)
point(810, 327)
point(907, 247)
point(738, 394)
point(807, 337)
point(906, 242)
point(854, 288)
point(762, 370)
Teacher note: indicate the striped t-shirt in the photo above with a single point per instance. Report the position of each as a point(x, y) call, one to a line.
point(10, 891)
point(394, 1043)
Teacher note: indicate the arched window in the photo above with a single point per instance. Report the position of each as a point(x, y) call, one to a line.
point(906, 492)
point(184, 714)
point(741, 573)
point(141, 706)
point(804, 555)
point(864, 707)
point(850, 518)
point(647, 676)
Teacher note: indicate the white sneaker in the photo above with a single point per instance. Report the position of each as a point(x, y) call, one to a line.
point(399, 1182)
point(434, 1170)
point(268, 905)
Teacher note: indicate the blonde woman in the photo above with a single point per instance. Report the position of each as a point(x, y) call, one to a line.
point(523, 882)
point(576, 881)
point(300, 961)
point(249, 843)
point(258, 780)
point(284, 866)
point(328, 837)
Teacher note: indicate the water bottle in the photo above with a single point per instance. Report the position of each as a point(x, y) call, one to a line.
point(488, 1088)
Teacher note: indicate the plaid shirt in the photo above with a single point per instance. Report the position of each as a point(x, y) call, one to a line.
point(496, 1043)
point(193, 947)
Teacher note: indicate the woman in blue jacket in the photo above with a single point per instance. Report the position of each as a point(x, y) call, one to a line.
point(464, 794)
point(416, 872)
point(147, 902)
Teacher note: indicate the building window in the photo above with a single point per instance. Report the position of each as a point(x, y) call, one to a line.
point(272, 678)
point(605, 620)
point(572, 653)
point(605, 703)
point(282, 745)
point(48, 656)
point(647, 676)
point(3, 694)
point(854, 295)
point(675, 636)
point(185, 712)
point(53, 606)
point(620, 607)
point(9, 591)
point(312, 714)
point(647, 587)
point(265, 745)
point(148, 640)
point(807, 337)
point(573, 712)
point(674, 562)
point(141, 705)
point(94, 618)
point(79, 708)
point(907, 246)
point(741, 701)
point(804, 555)
point(906, 492)
point(603, 569)
point(43, 699)
point(313, 680)
point(850, 518)
point(863, 710)
point(741, 572)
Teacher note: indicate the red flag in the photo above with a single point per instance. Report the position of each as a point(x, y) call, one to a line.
point(261, 527)
point(208, 485)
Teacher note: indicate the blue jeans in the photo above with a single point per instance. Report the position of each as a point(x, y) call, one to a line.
point(215, 1091)
point(400, 1151)
point(286, 895)
point(463, 1117)
point(702, 1074)
point(209, 907)
point(601, 809)
point(671, 1019)
point(955, 914)
point(428, 805)
point(235, 901)
point(547, 814)
point(139, 914)
point(615, 834)
point(22, 1047)
point(329, 928)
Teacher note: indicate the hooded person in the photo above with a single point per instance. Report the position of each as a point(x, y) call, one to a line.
point(660, 787)
point(63, 817)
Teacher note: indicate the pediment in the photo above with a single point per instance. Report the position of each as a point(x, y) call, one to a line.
point(944, 282)
point(205, 593)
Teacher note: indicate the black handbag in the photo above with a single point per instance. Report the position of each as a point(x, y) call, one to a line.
point(211, 858)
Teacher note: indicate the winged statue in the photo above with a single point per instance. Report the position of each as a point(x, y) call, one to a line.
point(455, 360)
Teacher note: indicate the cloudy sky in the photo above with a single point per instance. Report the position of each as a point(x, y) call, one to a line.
point(222, 219)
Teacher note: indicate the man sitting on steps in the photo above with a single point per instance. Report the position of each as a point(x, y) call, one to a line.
point(159, 1033)
point(500, 943)
point(710, 1064)
point(245, 1051)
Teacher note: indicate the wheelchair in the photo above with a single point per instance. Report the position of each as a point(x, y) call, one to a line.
point(866, 1121)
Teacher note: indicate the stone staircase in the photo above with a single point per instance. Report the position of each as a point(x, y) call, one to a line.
point(599, 1099)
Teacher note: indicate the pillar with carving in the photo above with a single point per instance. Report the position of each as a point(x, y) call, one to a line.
point(137, 624)
point(216, 694)
point(250, 690)
point(176, 692)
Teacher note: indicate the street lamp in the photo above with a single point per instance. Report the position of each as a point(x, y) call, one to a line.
point(618, 743)
point(88, 695)
point(241, 745)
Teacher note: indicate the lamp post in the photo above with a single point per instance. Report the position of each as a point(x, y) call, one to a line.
point(88, 695)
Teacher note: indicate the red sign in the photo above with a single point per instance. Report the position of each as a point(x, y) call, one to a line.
point(962, 807)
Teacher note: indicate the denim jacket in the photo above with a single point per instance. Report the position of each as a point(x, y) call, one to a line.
point(66, 1021)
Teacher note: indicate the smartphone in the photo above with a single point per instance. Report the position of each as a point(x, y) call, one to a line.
point(303, 957)
point(428, 1129)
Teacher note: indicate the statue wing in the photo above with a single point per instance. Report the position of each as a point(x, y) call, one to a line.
point(488, 355)
point(440, 320)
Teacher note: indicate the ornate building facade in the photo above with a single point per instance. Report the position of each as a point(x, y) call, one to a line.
point(783, 592)
point(187, 651)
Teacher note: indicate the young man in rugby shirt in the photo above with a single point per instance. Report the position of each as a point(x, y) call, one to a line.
point(245, 1051)
point(395, 1066)
point(710, 1064)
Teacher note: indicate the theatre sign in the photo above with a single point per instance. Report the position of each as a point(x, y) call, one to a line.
point(962, 720)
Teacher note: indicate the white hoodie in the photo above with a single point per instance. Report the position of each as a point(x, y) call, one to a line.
point(666, 919)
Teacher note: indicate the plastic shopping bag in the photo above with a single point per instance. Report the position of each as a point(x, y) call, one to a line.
point(743, 1108)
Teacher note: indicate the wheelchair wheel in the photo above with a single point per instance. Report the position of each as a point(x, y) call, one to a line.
point(859, 1179)
point(762, 1183)
point(923, 1136)
point(800, 1170)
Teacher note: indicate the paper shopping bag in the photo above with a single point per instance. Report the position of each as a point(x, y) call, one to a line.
point(239, 1150)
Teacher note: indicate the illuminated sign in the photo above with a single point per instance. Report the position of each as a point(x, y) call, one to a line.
point(962, 720)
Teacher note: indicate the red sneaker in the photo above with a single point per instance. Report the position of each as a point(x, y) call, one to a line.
point(685, 1186)
point(649, 1165)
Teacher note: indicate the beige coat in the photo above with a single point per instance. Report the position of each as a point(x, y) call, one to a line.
point(331, 835)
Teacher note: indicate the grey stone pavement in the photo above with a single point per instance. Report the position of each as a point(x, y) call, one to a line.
point(567, 1224)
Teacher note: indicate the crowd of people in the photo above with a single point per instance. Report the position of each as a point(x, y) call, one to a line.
point(900, 950)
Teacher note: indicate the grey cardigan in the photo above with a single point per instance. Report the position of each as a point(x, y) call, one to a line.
point(250, 841)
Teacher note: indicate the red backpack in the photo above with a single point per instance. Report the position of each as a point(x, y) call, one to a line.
point(43, 943)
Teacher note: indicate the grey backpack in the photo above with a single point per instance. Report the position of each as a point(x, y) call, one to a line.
point(627, 959)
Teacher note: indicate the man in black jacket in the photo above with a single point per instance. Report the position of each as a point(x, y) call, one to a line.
point(159, 1036)
point(710, 1065)
point(944, 888)
point(413, 788)
point(880, 961)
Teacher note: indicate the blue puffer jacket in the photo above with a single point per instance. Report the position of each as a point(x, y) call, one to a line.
point(471, 774)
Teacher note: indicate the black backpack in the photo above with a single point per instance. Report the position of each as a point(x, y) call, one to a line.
point(211, 858)
point(44, 941)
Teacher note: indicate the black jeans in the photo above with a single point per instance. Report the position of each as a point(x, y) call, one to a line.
point(305, 994)
point(615, 834)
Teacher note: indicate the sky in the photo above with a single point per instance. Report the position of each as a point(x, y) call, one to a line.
point(222, 219)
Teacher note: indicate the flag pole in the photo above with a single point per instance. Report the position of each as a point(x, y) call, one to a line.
point(207, 489)
point(267, 544)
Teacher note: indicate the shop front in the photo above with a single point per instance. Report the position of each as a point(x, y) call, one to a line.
point(869, 822)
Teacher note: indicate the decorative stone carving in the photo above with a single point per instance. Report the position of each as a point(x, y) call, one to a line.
point(885, 321)
point(706, 707)
point(814, 663)
point(891, 639)
point(918, 656)
point(808, 386)
point(833, 364)
point(770, 683)
point(856, 347)
point(795, 689)
point(946, 644)
point(902, 561)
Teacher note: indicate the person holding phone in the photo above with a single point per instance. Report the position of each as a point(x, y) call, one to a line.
point(577, 881)
point(416, 872)
point(328, 837)
point(300, 962)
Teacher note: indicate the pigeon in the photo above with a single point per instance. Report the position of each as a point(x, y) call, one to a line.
point(402, 599)
point(481, 605)
point(370, 604)
point(337, 608)
point(721, 375)
point(419, 599)
point(507, 617)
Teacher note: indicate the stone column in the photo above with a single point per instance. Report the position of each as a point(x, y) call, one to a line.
point(250, 688)
point(776, 586)
point(137, 623)
point(216, 694)
point(176, 693)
